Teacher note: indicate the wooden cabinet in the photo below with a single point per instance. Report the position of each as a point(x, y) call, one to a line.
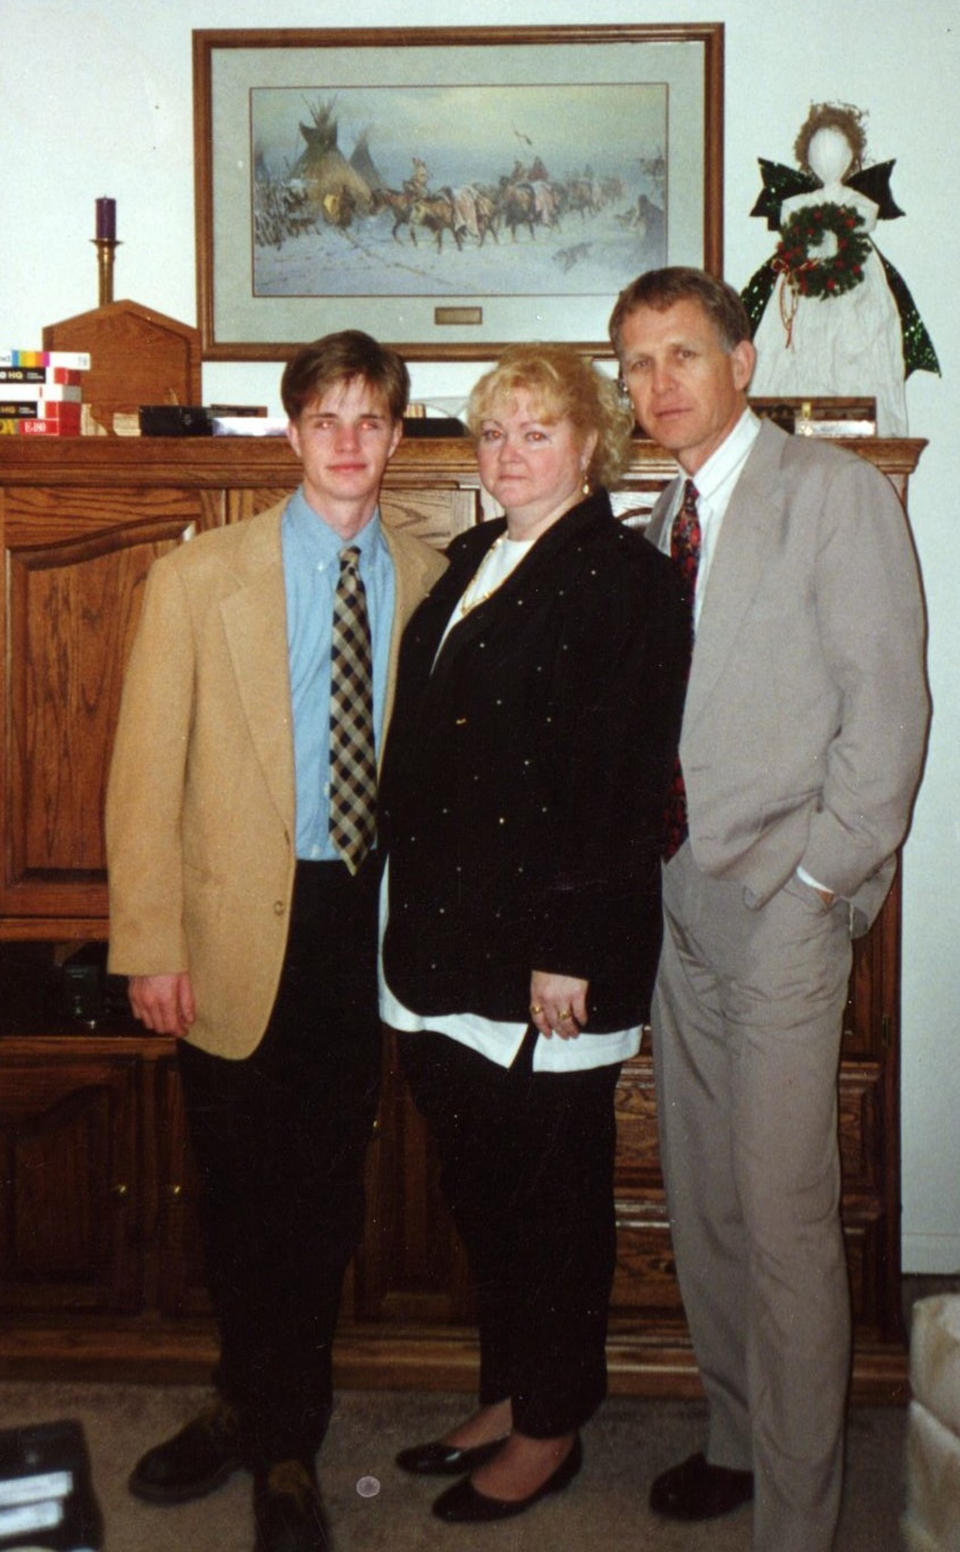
point(100, 1260)
point(69, 1182)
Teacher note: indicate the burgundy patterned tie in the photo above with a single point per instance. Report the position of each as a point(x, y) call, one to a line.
point(353, 760)
point(685, 553)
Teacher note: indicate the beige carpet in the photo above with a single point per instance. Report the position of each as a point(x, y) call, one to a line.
point(604, 1511)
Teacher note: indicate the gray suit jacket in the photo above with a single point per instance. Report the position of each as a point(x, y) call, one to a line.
point(807, 707)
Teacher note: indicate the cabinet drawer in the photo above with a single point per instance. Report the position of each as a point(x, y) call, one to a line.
point(644, 1283)
point(860, 1109)
point(638, 1153)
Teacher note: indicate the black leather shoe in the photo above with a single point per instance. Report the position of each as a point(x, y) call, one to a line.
point(288, 1510)
point(437, 1459)
point(194, 1462)
point(695, 1490)
point(462, 1504)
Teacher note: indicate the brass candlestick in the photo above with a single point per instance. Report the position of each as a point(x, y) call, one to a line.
point(105, 250)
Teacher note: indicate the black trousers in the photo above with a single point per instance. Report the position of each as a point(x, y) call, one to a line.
point(527, 1170)
point(279, 1140)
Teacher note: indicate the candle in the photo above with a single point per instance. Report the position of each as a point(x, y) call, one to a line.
point(107, 219)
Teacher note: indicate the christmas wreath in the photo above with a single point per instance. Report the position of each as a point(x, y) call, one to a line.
point(803, 233)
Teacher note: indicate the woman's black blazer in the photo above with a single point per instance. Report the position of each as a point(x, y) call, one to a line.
point(525, 773)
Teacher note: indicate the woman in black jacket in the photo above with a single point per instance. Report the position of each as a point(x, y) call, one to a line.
point(536, 723)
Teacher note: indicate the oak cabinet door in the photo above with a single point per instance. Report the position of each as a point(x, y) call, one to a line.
point(70, 1188)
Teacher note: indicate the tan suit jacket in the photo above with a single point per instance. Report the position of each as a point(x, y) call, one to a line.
point(200, 806)
point(807, 707)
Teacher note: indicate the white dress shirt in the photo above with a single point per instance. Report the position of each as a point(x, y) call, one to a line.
point(715, 481)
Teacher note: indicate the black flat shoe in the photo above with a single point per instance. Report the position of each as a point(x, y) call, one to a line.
point(696, 1490)
point(446, 1460)
point(462, 1504)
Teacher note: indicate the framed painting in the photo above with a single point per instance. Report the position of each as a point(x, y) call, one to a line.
point(450, 190)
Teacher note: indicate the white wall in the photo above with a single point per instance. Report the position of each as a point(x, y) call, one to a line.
point(97, 99)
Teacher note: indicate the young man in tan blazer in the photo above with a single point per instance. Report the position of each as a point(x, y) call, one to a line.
point(800, 753)
point(245, 932)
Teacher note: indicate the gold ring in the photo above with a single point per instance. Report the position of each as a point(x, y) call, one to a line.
point(564, 1013)
point(535, 1008)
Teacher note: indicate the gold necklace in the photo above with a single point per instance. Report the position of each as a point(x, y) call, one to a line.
point(467, 603)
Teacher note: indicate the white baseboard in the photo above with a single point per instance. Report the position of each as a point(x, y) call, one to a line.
point(936, 1255)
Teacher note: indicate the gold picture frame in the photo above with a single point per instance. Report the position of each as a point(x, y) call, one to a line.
point(448, 189)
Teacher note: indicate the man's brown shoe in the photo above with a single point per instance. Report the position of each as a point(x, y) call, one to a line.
point(194, 1462)
point(695, 1490)
point(288, 1510)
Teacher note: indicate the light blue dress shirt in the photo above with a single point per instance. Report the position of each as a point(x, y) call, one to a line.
point(311, 568)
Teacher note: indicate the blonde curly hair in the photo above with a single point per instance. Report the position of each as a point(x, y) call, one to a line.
point(564, 385)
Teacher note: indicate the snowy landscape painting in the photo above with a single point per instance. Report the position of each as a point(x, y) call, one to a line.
point(461, 191)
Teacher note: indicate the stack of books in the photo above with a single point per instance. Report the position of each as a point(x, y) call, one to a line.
point(41, 392)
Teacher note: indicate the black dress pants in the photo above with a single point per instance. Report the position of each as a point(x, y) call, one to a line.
point(527, 1170)
point(279, 1140)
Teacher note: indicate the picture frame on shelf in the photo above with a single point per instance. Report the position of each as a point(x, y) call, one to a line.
point(450, 190)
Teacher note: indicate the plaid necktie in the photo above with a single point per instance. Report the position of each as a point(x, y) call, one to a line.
point(685, 540)
point(353, 760)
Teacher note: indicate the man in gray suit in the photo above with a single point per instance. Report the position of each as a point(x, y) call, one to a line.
point(800, 753)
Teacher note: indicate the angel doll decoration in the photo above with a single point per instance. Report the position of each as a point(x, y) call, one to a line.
point(830, 315)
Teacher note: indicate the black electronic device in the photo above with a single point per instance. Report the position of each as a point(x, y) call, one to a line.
point(47, 1500)
point(175, 420)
